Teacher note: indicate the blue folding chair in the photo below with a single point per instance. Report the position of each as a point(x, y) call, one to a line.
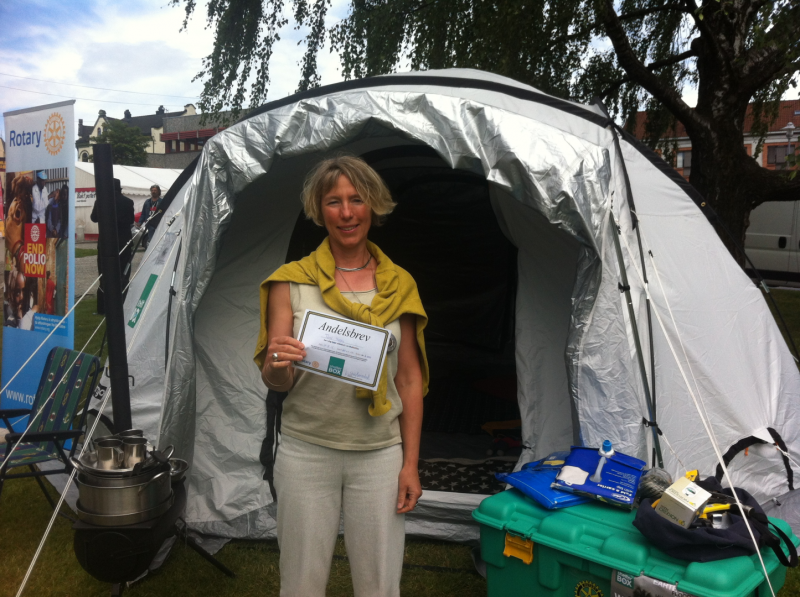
point(70, 377)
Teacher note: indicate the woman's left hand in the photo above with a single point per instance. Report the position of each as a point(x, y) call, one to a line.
point(409, 489)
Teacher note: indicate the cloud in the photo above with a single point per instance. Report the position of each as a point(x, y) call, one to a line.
point(135, 47)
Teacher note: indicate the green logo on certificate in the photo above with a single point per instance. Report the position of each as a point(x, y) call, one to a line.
point(336, 366)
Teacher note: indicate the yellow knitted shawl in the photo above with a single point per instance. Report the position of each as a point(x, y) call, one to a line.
point(397, 294)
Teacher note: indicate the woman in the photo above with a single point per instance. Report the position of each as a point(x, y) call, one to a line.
point(345, 449)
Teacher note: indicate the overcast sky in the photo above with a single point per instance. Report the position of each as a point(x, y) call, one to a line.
point(122, 46)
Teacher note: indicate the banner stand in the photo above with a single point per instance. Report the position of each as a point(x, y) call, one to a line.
point(39, 255)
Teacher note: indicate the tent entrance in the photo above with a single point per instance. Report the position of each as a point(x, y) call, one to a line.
point(445, 233)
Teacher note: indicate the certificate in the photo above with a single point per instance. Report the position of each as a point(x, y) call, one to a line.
point(343, 349)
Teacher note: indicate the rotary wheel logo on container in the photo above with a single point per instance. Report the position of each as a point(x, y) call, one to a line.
point(587, 588)
point(55, 132)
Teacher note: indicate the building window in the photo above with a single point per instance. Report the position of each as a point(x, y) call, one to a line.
point(685, 162)
point(776, 155)
point(84, 156)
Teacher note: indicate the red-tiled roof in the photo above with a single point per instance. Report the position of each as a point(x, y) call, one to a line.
point(789, 112)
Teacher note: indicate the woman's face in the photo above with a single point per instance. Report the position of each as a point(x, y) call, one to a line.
point(345, 215)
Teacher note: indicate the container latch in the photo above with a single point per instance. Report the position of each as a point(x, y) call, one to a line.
point(518, 547)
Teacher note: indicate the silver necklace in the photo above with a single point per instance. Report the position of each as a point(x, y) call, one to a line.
point(354, 269)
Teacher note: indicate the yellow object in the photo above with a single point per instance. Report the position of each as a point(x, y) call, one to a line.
point(518, 547)
point(397, 295)
point(714, 508)
point(692, 475)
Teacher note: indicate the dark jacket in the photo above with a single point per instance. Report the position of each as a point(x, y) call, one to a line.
point(125, 219)
point(146, 212)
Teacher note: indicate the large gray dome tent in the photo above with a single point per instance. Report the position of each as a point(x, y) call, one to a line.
point(515, 212)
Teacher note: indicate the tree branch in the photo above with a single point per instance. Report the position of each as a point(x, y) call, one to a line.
point(779, 187)
point(639, 73)
point(790, 68)
point(651, 67)
point(636, 14)
point(764, 62)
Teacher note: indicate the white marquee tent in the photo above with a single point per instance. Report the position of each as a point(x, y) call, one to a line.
point(135, 181)
point(527, 221)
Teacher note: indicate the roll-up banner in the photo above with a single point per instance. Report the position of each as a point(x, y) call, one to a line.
point(39, 273)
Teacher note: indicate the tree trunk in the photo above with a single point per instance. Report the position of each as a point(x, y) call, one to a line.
point(724, 175)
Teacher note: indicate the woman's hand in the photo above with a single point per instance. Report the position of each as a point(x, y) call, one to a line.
point(409, 489)
point(288, 350)
point(276, 374)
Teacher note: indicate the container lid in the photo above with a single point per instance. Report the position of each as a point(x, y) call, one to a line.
point(606, 535)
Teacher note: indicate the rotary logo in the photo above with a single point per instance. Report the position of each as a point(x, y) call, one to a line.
point(587, 588)
point(55, 132)
point(35, 234)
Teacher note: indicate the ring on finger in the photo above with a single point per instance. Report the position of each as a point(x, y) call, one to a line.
point(274, 357)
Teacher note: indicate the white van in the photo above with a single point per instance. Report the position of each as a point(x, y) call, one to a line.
point(773, 242)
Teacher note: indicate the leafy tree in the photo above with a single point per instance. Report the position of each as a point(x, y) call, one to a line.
point(128, 144)
point(633, 53)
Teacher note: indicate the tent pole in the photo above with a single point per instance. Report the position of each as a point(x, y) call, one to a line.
point(169, 303)
point(625, 287)
point(635, 226)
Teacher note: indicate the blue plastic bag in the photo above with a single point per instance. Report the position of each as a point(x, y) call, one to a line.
point(535, 479)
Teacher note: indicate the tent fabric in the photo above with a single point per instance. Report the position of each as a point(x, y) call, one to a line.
point(557, 187)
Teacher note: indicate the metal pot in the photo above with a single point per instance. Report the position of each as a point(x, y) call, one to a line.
point(87, 463)
point(86, 477)
point(114, 520)
point(130, 433)
point(126, 500)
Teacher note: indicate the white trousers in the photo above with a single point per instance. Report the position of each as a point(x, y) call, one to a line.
point(315, 485)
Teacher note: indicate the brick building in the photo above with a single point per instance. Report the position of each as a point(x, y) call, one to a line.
point(772, 155)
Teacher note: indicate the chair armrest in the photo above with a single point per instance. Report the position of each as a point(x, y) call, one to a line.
point(14, 412)
point(44, 436)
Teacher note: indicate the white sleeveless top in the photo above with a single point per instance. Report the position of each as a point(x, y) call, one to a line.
point(325, 411)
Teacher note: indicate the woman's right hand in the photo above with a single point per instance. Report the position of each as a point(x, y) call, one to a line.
point(277, 373)
point(288, 350)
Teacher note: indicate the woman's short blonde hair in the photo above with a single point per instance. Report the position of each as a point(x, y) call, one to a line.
point(367, 182)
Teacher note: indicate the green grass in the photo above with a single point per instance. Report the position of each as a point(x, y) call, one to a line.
point(24, 515)
point(85, 253)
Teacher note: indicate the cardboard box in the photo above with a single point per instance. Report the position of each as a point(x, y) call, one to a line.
point(681, 502)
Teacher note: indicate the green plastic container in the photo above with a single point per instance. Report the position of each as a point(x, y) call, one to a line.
point(593, 550)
